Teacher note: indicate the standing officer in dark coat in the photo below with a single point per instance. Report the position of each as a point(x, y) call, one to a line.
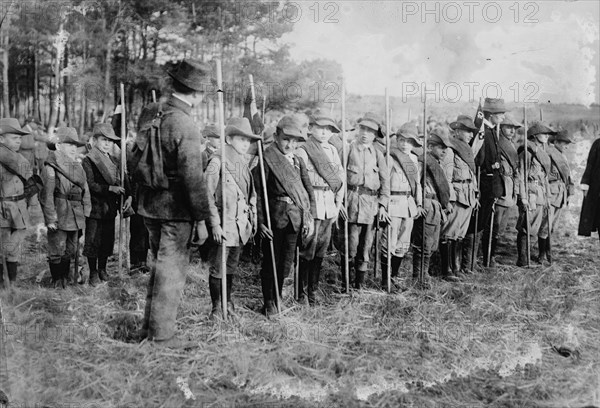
point(589, 220)
point(169, 212)
point(488, 160)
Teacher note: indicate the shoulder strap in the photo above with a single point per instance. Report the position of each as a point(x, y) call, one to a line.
point(57, 168)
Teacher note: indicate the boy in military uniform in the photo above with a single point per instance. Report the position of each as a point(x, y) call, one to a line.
point(406, 200)
point(15, 170)
point(327, 178)
point(65, 201)
point(240, 209)
point(459, 165)
point(534, 201)
point(368, 195)
point(436, 203)
point(291, 204)
point(104, 181)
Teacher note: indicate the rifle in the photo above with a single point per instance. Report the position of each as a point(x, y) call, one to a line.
point(297, 275)
point(490, 239)
point(525, 181)
point(345, 164)
point(263, 180)
point(423, 183)
point(4, 384)
point(474, 247)
point(221, 117)
point(123, 164)
point(387, 156)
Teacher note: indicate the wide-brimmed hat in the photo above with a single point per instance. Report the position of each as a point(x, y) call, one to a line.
point(240, 127)
point(12, 125)
point(67, 135)
point(563, 136)
point(464, 122)
point(371, 120)
point(293, 125)
point(191, 73)
point(106, 130)
point(440, 135)
point(320, 118)
point(540, 128)
point(494, 105)
point(409, 131)
point(510, 121)
point(211, 131)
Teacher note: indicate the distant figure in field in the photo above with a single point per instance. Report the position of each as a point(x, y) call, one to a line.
point(589, 220)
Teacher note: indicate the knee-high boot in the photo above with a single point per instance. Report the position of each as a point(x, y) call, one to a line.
point(214, 287)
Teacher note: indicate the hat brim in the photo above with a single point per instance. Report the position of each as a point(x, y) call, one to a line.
point(70, 140)
point(409, 137)
point(495, 110)
point(114, 138)
point(460, 125)
point(369, 124)
point(236, 131)
point(9, 129)
point(192, 85)
point(292, 132)
point(327, 122)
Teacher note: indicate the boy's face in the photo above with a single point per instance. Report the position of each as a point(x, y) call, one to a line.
point(103, 143)
point(562, 146)
point(286, 144)
point(321, 133)
point(464, 135)
point(365, 135)
point(241, 144)
point(12, 141)
point(67, 148)
point(542, 137)
point(213, 142)
point(437, 151)
point(509, 131)
point(404, 144)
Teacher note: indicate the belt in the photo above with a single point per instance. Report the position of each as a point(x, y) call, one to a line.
point(322, 188)
point(285, 199)
point(69, 197)
point(555, 181)
point(400, 193)
point(462, 181)
point(13, 198)
point(363, 190)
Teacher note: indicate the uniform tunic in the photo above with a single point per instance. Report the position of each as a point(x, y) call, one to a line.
point(536, 194)
point(462, 195)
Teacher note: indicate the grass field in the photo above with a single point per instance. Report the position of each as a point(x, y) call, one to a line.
point(494, 340)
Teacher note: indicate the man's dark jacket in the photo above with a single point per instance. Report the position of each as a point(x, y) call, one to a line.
point(589, 220)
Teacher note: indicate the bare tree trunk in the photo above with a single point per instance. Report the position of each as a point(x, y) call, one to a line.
point(66, 93)
point(36, 86)
point(55, 102)
point(5, 90)
point(107, 70)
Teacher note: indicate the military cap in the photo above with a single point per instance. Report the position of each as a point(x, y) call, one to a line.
point(371, 121)
point(191, 73)
point(12, 125)
point(540, 128)
point(68, 135)
point(440, 136)
point(211, 131)
point(563, 136)
point(292, 125)
point(320, 118)
point(106, 130)
point(494, 105)
point(509, 121)
point(409, 131)
point(464, 122)
point(240, 127)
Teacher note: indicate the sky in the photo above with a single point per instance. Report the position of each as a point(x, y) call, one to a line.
point(456, 50)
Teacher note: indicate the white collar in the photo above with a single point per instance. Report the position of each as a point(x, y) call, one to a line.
point(182, 99)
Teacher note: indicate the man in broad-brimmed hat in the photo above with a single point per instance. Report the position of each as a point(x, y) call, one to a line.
point(368, 196)
point(327, 178)
point(459, 165)
point(488, 160)
point(589, 218)
point(436, 204)
point(562, 187)
point(15, 170)
point(180, 198)
point(535, 200)
point(66, 202)
point(292, 206)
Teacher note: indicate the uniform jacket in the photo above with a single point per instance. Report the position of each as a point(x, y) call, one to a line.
point(105, 204)
point(366, 168)
point(488, 155)
point(63, 202)
point(181, 142)
point(240, 200)
point(560, 189)
point(536, 170)
point(590, 209)
point(509, 171)
point(326, 200)
point(282, 213)
point(404, 206)
point(463, 183)
point(13, 214)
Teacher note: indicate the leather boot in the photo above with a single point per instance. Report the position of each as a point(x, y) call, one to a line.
point(214, 287)
point(548, 250)
point(303, 278)
point(65, 267)
point(93, 265)
point(445, 258)
point(541, 259)
point(396, 263)
point(269, 305)
point(56, 273)
point(359, 279)
point(426, 284)
point(314, 276)
point(230, 305)
point(521, 249)
point(467, 253)
point(457, 257)
point(102, 269)
point(12, 270)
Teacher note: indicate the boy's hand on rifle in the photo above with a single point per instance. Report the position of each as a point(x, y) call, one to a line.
point(421, 211)
point(523, 204)
point(308, 229)
point(265, 232)
point(383, 215)
point(116, 189)
point(449, 208)
point(343, 215)
point(127, 204)
point(217, 234)
point(52, 226)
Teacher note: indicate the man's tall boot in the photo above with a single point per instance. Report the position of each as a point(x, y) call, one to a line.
point(396, 263)
point(55, 272)
point(12, 270)
point(93, 265)
point(521, 249)
point(548, 250)
point(230, 305)
point(314, 276)
point(445, 263)
point(65, 267)
point(303, 278)
point(214, 287)
point(359, 279)
point(467, 252)
point(417, 265)
point(268, 289)
point(457, 258)
point(541, 259)
point(102, 269)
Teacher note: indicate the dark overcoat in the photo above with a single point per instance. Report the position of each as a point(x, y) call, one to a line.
point(589, 220)
point(105, 204)
point(491, 185)
point(181, 144)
